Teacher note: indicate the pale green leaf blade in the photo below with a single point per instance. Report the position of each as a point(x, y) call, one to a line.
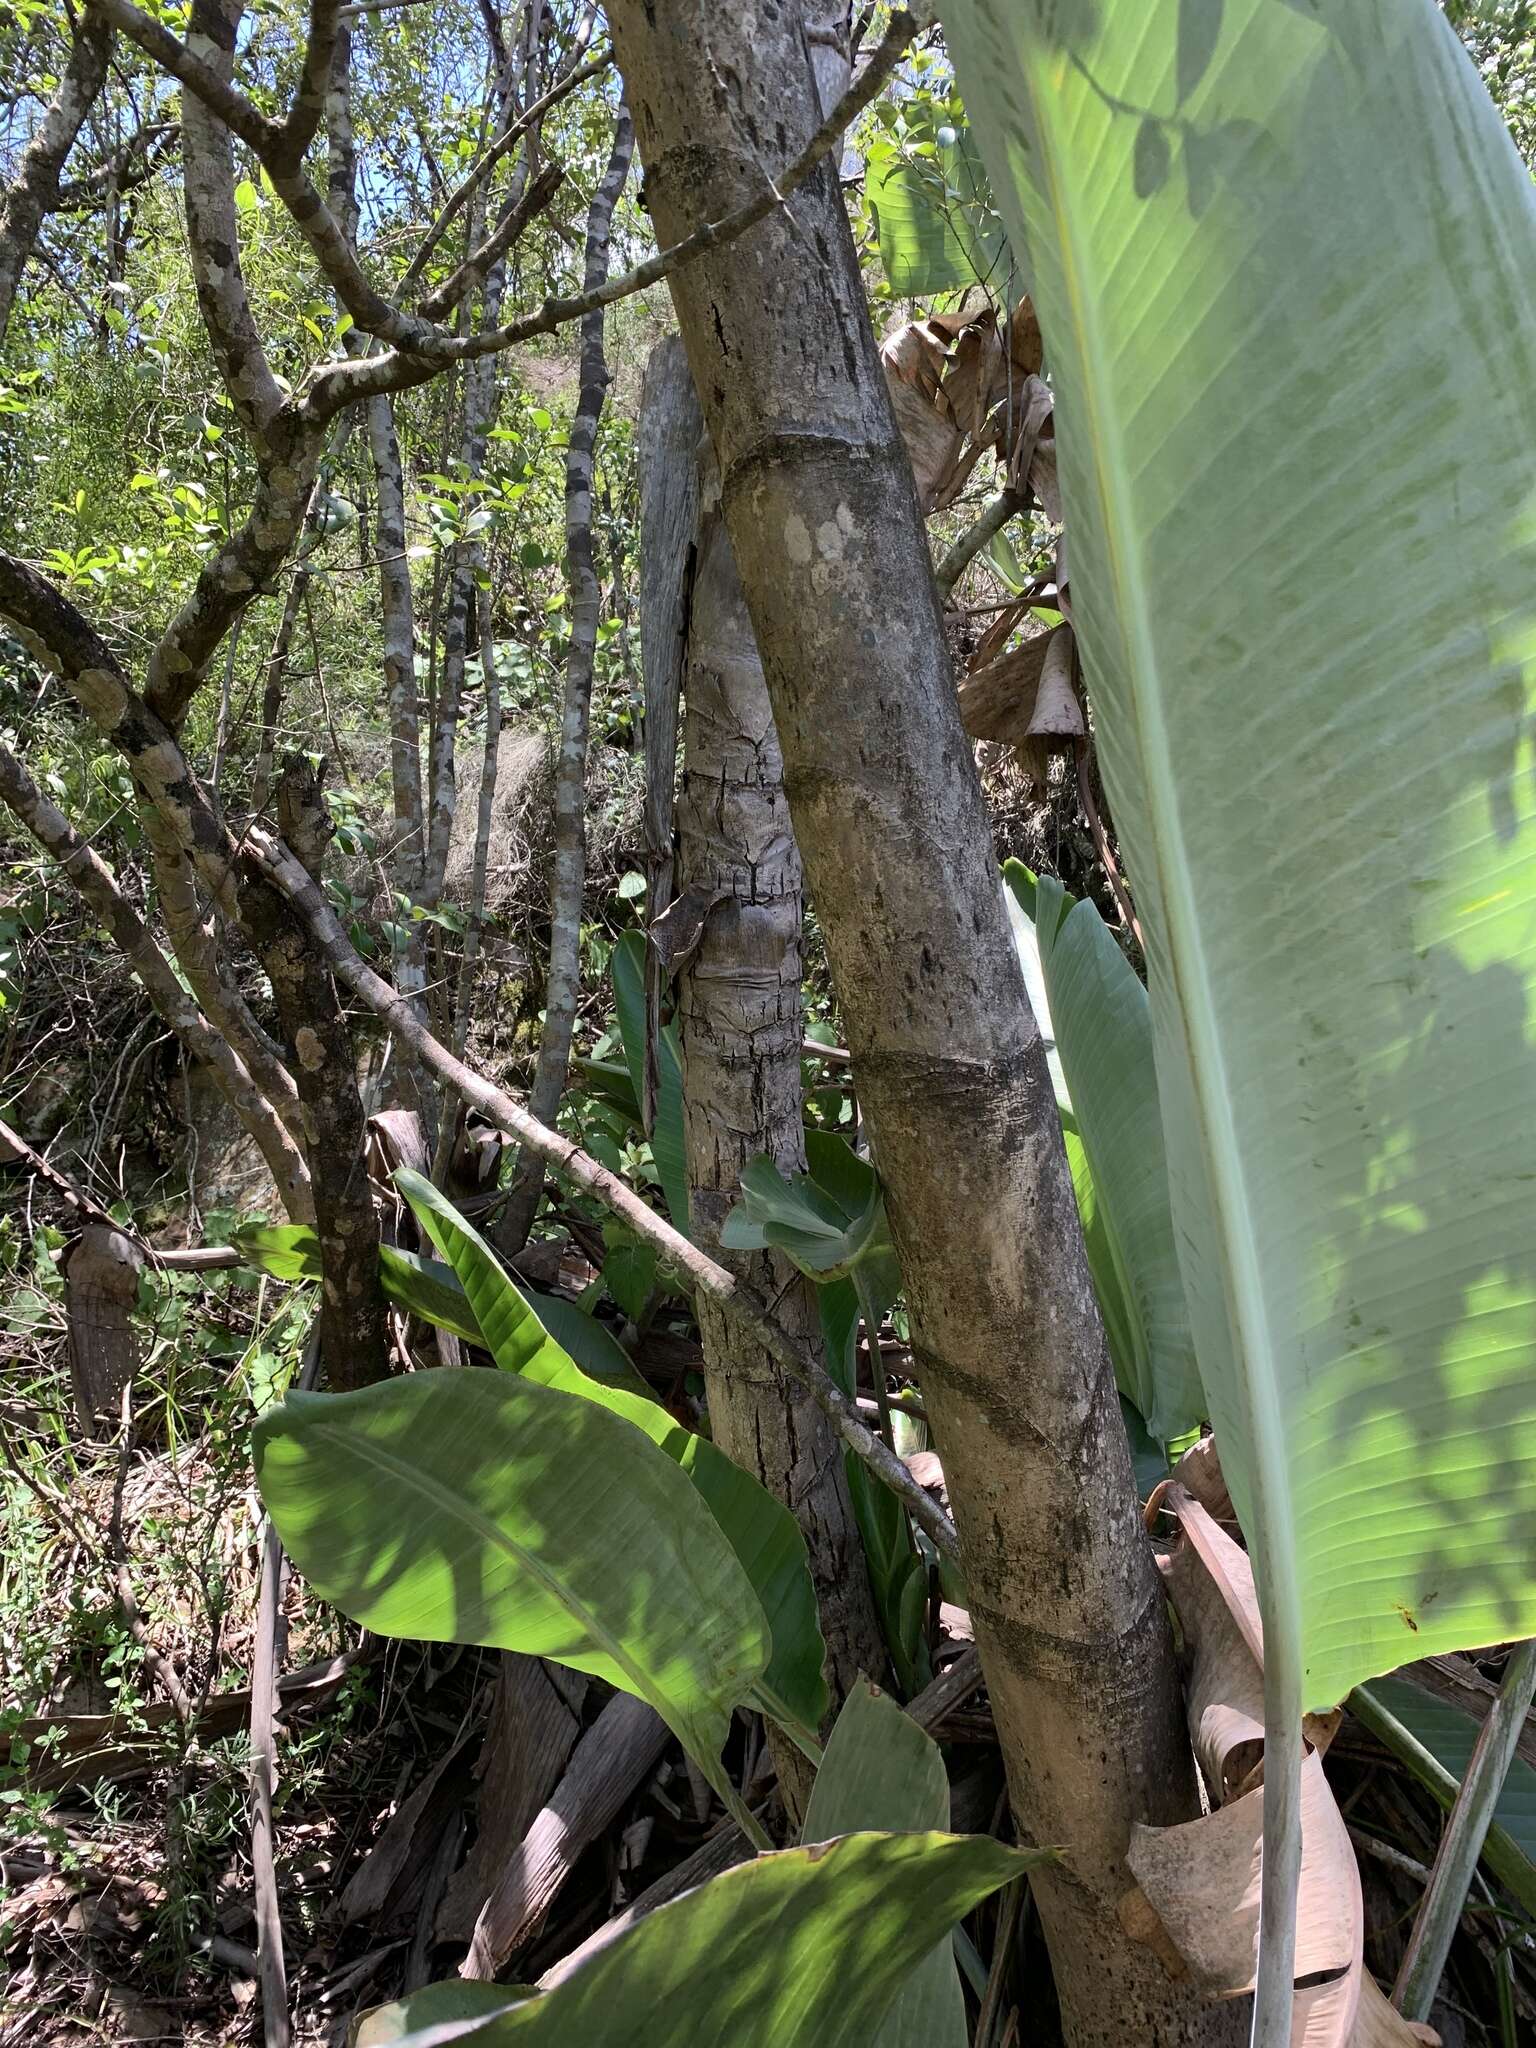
point(1296, 398)
point(627, 969)
point(762, 1532)
point(461, 1999)
point(882, 1771)
point(428, 1289)
point(460, 1505)
point(805, 1948)
point(1105, 1027)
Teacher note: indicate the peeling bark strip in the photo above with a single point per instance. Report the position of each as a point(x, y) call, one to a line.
point(94, 882)
point(568, 885)
point(35, 192)
point(888, 811)
point(742, 1024)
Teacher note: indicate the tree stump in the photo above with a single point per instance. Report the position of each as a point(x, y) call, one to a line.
point(101, 1284)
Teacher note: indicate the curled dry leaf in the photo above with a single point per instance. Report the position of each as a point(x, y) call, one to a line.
point(962, 385)
point(1028, 698)
point(1202, 1879)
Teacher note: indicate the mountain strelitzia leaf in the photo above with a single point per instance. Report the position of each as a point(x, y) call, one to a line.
point(761, 1530)
point(465, 1506)
point(1273, 364)
point(627, 969)
point(882, 1771)
point(806, 1948)
point(830, 1222)
point(1099, 1013)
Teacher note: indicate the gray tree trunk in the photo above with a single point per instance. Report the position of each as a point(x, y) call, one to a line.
point(741, 1020)
point(888, 811)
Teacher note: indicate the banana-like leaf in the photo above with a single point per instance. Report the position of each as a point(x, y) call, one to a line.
point(627, 970)
point(1020, 896)
point(468, 1506)
point(761, 1530)
point(1285, 269)
point(460, 2000)
point(593, 1346)
point(425, 1287)
point(1295, 355)
point(1103, 1042)
point(430, 1289)
point(805, 1948)
point(882, 1771)
point(934, 215)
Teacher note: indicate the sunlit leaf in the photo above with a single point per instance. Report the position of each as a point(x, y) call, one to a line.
point(762, 1532)
point(460, 1505)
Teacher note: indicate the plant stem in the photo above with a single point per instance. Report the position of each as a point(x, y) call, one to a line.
point(1460, 1846)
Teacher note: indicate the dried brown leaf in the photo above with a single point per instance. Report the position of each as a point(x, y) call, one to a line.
point(1202, 1878)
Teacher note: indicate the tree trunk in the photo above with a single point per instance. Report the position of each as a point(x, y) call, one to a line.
point(888, 812)
point(354, 1342)
point(742, 1026)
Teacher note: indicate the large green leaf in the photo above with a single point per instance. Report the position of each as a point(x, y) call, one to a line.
point(882, 1771)
point(1294, 341)
point(806, 1948)
point(1102, 1023)
point(627, 969)
point(460, 1505)
point(430, 1289)
point(424, 1287)
point(460, 1999)
point(761, 1530)
point(1287, 285)
point(934, 215)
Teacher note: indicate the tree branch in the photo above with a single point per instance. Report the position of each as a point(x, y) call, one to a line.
point(35, 192)
point(414, 338)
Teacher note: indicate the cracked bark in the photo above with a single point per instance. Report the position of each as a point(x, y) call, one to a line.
point(888, 812)
point(741, 1018)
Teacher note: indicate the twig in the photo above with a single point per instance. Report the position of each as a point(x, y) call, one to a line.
point(835, 1055)
point(158, 1667)
point(199, 1259)
point(266, 1658)
point(991, 520)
